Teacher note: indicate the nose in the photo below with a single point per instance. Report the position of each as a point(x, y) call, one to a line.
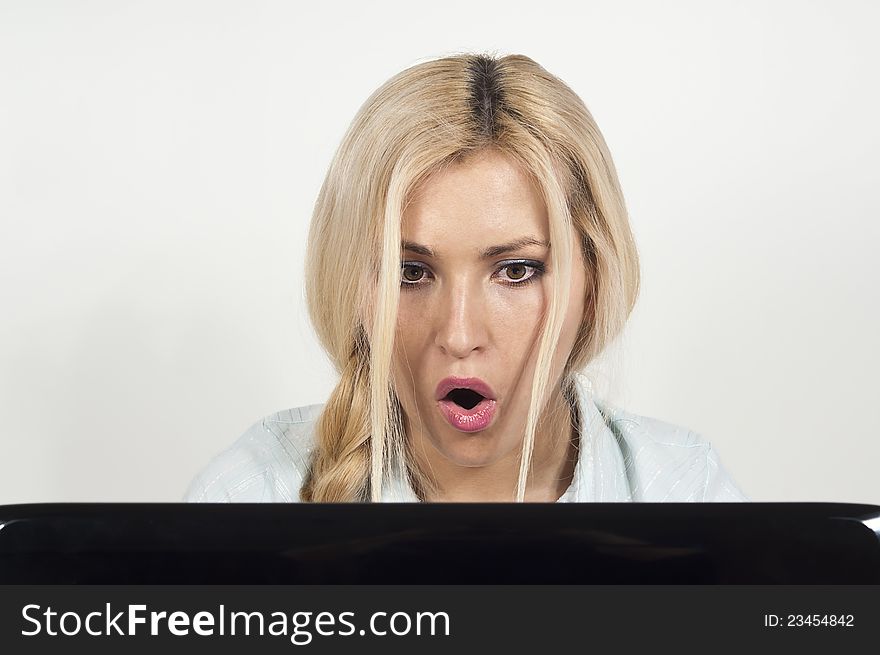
point(461, 321)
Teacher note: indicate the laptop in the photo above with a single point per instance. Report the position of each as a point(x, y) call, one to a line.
point(461, 543)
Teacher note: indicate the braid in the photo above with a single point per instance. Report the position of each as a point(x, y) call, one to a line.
point(340, 467)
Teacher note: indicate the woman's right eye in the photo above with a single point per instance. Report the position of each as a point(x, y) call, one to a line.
point(412, 274)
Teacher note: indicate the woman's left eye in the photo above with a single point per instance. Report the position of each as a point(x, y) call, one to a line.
point(516, 273)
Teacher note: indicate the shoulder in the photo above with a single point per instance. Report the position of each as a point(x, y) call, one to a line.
point(268, 463)
point(665, 462)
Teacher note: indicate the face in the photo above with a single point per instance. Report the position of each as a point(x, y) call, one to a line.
point(475, 281)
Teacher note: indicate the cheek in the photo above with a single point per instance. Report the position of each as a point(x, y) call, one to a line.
point(514, 317)
point(411, 348)
point(412, 338)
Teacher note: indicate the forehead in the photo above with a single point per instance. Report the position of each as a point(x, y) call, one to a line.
point(485, 199)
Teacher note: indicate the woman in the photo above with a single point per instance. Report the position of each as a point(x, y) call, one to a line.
point(469, 255)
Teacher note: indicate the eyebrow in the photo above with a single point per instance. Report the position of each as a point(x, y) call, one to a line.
point(486, 253)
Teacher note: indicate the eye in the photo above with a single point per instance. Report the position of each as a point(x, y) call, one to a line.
point(412, 274)
point(520, 273)
point(516, 271)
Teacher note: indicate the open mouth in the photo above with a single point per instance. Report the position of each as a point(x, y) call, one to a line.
point(466, 398)
point(467, 403)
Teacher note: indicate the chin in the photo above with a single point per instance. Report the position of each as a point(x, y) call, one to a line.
point(470, 461)
point(471, 449)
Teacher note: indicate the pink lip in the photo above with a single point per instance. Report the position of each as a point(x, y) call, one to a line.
point(468, 420)
point(474, 384)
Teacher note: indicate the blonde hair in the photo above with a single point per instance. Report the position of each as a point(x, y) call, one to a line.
point(422, 120)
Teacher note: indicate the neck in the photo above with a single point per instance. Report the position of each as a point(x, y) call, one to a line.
point(552, 467)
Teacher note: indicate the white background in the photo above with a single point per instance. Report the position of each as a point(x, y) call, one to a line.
point(159, 162)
